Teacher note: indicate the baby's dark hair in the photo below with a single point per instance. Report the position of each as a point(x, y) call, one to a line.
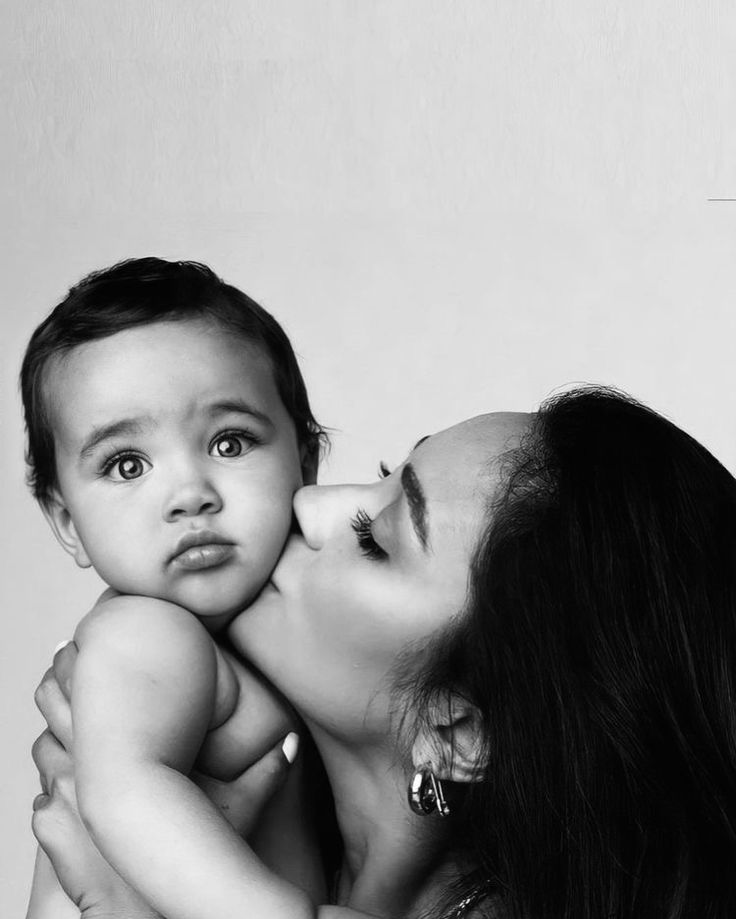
point(140, 292)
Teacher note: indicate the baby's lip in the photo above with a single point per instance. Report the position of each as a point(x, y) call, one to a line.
point(199, 538)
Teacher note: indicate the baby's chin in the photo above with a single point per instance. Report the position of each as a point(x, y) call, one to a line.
point(215, 601)
point(214, 605)
point(216, 612)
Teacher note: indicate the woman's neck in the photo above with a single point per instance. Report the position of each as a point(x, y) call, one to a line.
point(395, 863)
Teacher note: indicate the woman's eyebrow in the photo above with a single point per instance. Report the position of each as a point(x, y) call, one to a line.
point(417, 504)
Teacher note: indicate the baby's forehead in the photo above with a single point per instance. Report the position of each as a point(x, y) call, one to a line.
point(157, 371)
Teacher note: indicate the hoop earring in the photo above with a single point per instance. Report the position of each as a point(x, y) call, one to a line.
point(425, 793)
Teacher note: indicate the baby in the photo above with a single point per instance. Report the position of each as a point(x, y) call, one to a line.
point(168, 428)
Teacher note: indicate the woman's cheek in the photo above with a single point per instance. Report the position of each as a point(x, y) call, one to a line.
point(353, 609)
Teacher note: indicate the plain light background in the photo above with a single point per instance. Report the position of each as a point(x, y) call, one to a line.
point(453, 206)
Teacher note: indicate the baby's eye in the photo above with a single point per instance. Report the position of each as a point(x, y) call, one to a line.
point(230, 444)
point(126, 466)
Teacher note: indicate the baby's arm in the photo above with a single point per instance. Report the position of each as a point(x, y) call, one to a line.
point(285, 835)
point(143, 698)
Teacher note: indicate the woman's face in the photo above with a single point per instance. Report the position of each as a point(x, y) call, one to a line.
point(377, 570)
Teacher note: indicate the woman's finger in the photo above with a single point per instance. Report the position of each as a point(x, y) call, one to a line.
point(55, 708)
point(64, 662)
point(53, 762)
point(87, 878)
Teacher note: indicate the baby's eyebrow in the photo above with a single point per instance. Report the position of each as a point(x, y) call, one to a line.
point(123, 428)
point(240, 407)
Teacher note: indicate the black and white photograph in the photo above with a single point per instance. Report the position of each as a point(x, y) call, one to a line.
point(369, 442)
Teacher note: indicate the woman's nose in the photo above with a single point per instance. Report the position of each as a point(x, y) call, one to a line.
point(322, 510)
point(193, 496)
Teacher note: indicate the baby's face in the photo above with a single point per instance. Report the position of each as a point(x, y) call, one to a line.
point(176, 462)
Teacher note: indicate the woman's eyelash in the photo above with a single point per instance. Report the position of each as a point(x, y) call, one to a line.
point(361, 524)
point(383, 471)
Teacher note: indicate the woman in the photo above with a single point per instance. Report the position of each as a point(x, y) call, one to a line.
point(537, 613)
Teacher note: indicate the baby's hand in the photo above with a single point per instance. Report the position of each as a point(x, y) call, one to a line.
point(241, 763)
point(254, 717)
point(242, 800)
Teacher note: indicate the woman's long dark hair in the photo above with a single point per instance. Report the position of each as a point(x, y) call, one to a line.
point(600, 646)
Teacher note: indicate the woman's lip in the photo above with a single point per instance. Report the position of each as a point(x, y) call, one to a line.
point(208, 555)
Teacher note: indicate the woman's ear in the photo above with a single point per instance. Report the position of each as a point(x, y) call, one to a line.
point(60, 520)
point(452, 741)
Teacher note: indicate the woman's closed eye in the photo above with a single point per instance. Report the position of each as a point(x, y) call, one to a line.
point(232, 444)
point(362, 524)
point(125, 466)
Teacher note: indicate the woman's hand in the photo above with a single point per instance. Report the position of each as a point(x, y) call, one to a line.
point(89, 881)
point(86, 877)
point(54, 693)
point(240, 801)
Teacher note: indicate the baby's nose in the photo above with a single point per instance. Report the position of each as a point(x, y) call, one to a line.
point(192, 498)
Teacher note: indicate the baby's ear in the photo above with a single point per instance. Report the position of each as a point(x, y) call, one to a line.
point(60, 520)
point(452, 741)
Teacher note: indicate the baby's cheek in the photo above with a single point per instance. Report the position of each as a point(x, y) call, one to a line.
point(270, 520)
point(126, 565)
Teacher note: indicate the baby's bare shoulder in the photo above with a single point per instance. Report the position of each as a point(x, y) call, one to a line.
point(142, 625)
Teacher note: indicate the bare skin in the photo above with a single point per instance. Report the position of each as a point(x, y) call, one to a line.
point(344, 611)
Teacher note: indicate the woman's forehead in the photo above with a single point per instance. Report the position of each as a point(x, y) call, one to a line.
point(455, 472)
point(462, 465)
point(485, 437)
